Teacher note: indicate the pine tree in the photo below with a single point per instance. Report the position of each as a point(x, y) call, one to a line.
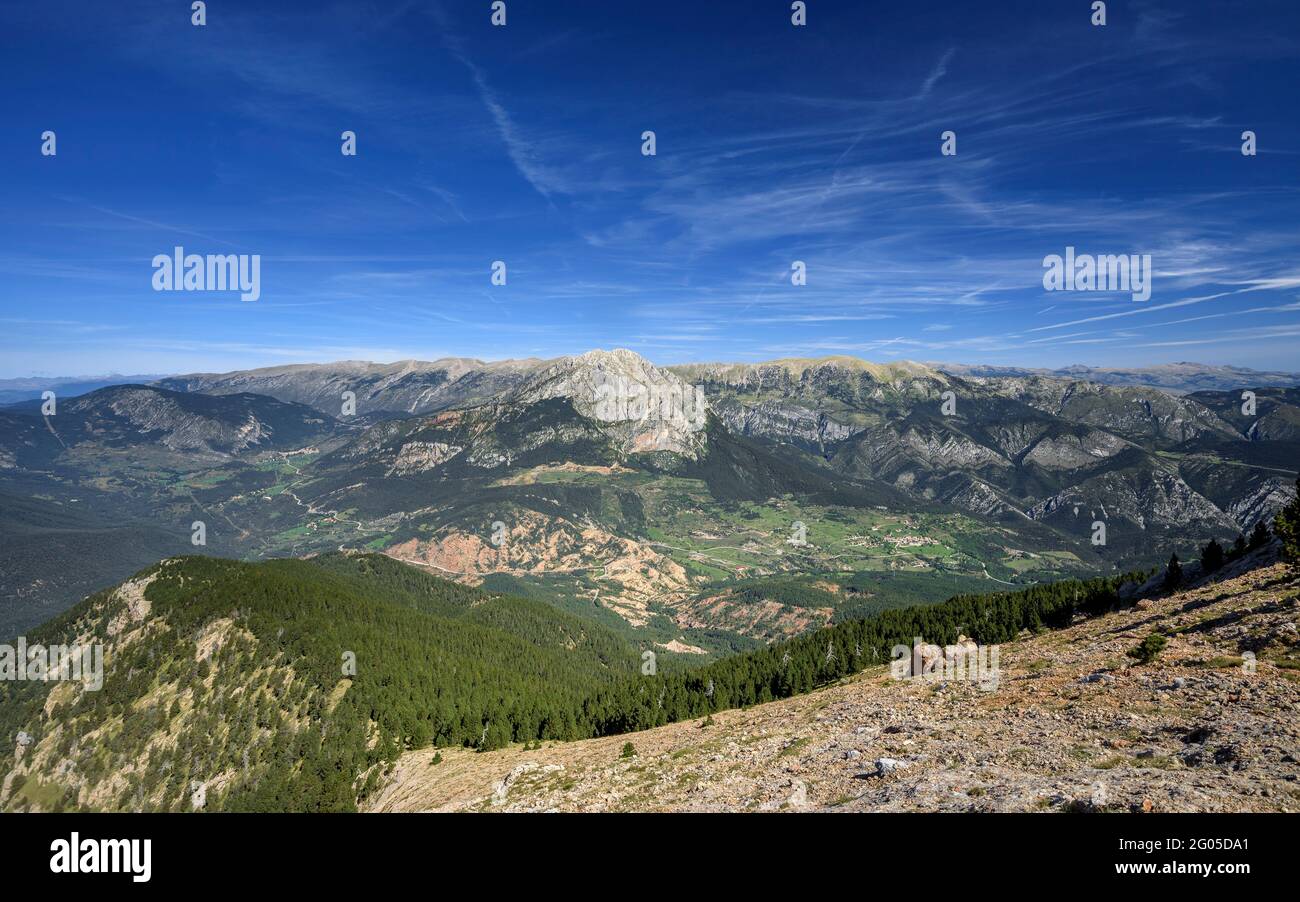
point(1238, 547)
point(1150, 648)
point(1260, 536)
point(1212, 556)
point(1173, 573)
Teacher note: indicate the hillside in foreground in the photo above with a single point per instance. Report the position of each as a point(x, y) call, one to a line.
point(1074, 724)
point(286, 685)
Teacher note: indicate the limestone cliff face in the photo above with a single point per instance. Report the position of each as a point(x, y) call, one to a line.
point(1074, 452)
point(1147, 500)
point(647, 408)
point(846, 378)
point(1132, 411)
point(783, 421)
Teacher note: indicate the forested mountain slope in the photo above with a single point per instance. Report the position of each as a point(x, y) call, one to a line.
point(288, 685)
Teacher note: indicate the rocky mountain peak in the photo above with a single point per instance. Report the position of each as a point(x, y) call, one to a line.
point(654, 409)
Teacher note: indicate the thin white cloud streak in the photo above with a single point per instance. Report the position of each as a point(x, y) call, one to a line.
point(1106, 316)
point(521, 153)
point(1265, 335)
point(938, 72)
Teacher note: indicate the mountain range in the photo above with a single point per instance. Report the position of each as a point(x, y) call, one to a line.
point(700, 508)
point(31, 387)
point(1180, 378)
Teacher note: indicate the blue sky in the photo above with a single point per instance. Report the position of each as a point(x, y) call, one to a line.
point(522, 144)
